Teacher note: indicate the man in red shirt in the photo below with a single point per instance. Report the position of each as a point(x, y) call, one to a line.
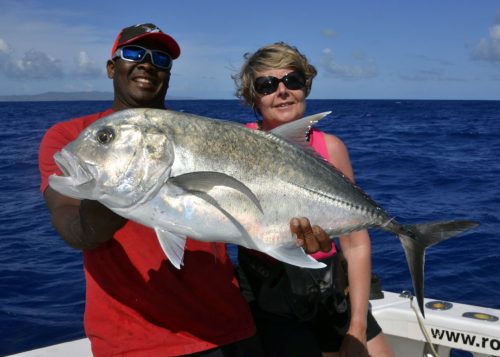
point(137, 303)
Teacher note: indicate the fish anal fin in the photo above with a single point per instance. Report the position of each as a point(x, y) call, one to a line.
point(294, 255)
point(173, 246)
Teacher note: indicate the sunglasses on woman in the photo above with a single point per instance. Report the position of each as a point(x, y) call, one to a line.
point(269, 84)
point(135, 53)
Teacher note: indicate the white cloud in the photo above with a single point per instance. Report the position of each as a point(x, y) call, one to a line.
point(5, 55)
point(47, 44)
point(87, 68)
point(488, 49)
point(433, 75)
point(34, 65)
point(329, 33)
point(495, 32)
point(4, 47)
point(365, 68)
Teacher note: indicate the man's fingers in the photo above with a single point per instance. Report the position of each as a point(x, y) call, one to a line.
point(305, 226)
point(324, 241)
point(301, 227)
point(295, 226)
point(311, 238)
point(311, 244)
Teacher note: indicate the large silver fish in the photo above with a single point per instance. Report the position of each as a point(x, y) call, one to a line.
point(213, 180)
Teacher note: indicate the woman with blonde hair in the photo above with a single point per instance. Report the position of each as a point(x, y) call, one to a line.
point(298, 311)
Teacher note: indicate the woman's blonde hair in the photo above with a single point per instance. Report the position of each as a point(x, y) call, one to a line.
point(276, 56)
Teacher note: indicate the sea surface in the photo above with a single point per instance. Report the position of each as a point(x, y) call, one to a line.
point(420, 160)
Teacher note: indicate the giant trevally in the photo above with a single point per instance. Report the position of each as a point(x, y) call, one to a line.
point(214, 180)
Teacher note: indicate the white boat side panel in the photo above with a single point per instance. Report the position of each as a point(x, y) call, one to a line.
point(77, 348)
point(445, 327)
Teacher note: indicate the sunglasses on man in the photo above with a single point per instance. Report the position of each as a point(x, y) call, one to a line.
point(269, 84)
point(134, 53)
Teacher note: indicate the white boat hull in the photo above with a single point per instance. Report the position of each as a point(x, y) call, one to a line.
point(449, 326)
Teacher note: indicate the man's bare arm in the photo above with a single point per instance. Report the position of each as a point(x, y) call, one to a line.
point(82, 224)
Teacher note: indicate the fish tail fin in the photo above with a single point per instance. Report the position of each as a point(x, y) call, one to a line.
point(416, 238)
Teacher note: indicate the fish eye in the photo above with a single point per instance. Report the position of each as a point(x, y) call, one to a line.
point(105, 135)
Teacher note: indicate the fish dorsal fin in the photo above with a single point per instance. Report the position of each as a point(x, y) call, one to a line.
point(203, 181)
point(173, 246)
point(296, 131)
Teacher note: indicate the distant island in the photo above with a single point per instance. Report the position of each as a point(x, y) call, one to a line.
point(66, 96)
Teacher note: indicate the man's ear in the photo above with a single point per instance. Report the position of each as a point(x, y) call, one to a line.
point(110, 68)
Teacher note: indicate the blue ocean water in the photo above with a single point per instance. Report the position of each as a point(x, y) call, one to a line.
point(420, 160)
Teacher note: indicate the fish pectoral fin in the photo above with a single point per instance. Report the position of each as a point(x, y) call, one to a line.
point(173, 246)
point(294, 255)
point(204, 181)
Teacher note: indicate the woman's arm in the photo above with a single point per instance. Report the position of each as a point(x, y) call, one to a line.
point(357, 250)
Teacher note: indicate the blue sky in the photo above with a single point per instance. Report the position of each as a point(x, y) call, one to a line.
point(394, 49)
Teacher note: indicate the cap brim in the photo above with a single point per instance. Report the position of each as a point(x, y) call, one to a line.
point(171, 45)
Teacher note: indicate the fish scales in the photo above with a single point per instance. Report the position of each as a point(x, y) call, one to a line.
point(263, 155)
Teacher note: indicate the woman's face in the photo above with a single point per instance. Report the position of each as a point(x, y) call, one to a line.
point(282, 106)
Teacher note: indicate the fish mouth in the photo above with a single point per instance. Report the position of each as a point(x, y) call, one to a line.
point(72, 168)
point(77, 181)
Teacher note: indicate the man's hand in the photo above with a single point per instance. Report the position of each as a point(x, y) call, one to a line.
point(311, 238)
point(82, 224)
point(98, 222)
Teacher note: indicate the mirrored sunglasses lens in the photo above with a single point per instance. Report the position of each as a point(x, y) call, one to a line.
point(133, 53)
point(161, 59)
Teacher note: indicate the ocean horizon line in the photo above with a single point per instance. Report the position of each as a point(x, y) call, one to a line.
point(108, 96)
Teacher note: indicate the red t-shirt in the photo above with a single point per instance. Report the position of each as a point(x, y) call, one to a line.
point(138, 303)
